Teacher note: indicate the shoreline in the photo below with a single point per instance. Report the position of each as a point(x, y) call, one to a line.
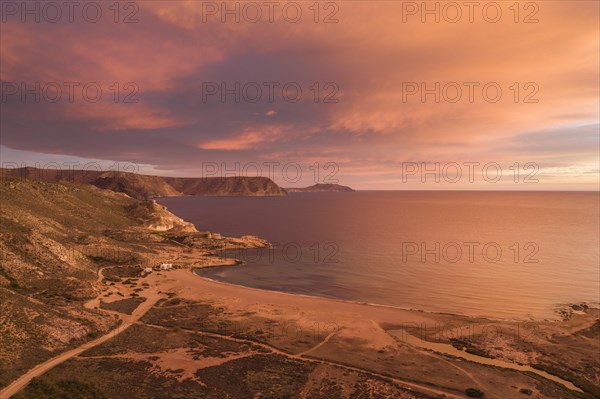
point(237, 262)
point(555, 312)
point(557, 319)
point(241, 290)
point(370, 324)
point(348, 301)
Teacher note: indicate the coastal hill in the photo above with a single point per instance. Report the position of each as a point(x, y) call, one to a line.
point(54, 240)
point(321, 188)
point(226, 186)
point(145, 186)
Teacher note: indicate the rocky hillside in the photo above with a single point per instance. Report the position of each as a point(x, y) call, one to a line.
point(54, 237)
point(144, 186)
point(134, 185)
point(321, 188)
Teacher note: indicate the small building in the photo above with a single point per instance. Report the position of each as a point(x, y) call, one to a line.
point(166, 266)
point(147, 270)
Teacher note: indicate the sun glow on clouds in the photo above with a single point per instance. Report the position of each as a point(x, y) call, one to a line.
point(245, 140)
point(370, 53)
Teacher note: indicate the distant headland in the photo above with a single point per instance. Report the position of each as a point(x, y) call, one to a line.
point(145, 186)
point(320, 188)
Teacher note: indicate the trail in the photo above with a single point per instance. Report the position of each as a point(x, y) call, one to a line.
point(320, 344)
point(448, 349)
point(301, 356)
point(128, 321)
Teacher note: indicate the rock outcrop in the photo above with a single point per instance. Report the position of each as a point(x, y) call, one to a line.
point(156, 217)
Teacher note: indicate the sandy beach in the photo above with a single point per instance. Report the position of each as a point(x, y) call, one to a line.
point(413, 350)
point(366, 336)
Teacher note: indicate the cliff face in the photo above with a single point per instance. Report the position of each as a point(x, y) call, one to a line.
point(226, 186)
point(143, 186)
point(321, 188)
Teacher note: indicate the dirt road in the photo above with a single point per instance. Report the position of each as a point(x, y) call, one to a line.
point(40, 369)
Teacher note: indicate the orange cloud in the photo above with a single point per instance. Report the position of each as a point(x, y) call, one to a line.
point(242, 141)
point(371, 53)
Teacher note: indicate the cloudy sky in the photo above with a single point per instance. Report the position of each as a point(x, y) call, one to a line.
point(369, 94)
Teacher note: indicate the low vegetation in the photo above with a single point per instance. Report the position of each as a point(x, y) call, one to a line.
point(126, 306)
point(474, 393)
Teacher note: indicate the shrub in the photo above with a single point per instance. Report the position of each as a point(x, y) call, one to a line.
point(474, 393)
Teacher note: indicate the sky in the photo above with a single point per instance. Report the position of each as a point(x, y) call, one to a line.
point(379, 95)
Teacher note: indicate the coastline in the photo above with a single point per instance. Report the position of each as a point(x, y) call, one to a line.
point(526, 293)
point(557, 319)
point(348, 301)
point(365, 334)
point(374, 326)
point(229, 262)
point(222, 287)
point(354, 336)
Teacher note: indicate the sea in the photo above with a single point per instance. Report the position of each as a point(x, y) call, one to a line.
point(509, 255)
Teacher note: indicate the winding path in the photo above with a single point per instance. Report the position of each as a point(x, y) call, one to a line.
point(143, 308)
point(128, 321)
point(320, 344)
point(301, 356)
point(153, 296)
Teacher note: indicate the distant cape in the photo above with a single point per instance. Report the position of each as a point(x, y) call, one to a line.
point(320, 188)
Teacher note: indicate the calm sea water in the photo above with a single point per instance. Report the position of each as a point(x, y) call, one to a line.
point(500, 254)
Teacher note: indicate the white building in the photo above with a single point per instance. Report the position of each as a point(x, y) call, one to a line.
point(147, 270)
point(166, 266)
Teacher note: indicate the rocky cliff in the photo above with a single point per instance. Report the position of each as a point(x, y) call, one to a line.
point(226, 186)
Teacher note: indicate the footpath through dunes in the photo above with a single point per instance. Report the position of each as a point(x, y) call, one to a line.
point(146, 186)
